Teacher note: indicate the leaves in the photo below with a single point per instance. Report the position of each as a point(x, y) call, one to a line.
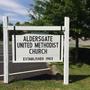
point(52, 12)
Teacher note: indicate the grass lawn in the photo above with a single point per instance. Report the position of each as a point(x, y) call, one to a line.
point(79, 80)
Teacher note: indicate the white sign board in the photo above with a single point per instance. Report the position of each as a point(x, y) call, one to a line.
point(36, 48)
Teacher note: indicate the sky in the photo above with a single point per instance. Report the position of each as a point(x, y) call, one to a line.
point(16, 10)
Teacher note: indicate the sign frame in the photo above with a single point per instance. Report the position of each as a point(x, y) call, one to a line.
point(65, 50)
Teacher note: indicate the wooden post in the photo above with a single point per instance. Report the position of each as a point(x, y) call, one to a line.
point(66, 51)
point(5, 49)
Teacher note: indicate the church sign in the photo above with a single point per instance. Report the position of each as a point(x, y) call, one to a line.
point(29, 48)
point(36, 48)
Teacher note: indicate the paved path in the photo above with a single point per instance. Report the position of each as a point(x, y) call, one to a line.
point(31, 69)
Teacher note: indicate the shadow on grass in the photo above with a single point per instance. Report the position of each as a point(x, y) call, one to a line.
point(83, 56)
point(58, 77)
point(47, 77)
point(74, 78)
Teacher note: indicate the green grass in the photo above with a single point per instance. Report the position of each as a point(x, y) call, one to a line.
point(79, 80)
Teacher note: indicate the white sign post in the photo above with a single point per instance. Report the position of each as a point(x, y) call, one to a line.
point(37, 48)
point(5, 49)
point(66, 51)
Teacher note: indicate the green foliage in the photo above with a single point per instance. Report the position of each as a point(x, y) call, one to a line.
point(37, 9)
point(1, 32)
point(23, 24)
point(52, 12)
point(17, 23)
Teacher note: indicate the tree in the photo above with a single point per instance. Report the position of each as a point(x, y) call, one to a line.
point(52, 12)
point(1, 32)
point(18, 23)
point(37, 12)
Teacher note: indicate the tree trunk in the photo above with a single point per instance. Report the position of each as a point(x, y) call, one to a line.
point(77, 47)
